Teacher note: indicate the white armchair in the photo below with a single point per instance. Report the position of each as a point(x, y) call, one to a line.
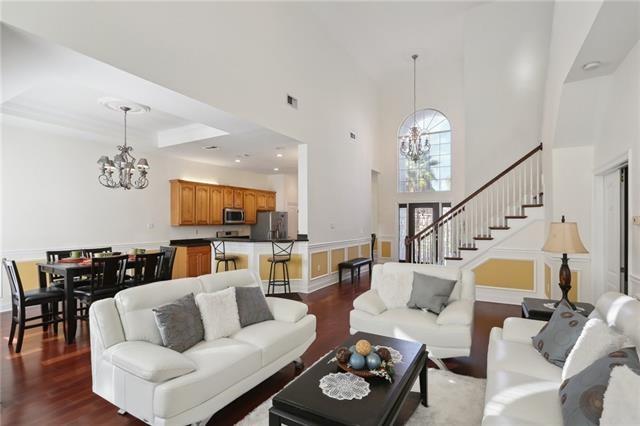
point(446, 335)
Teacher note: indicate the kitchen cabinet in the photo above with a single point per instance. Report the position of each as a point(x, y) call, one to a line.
point(202, 205)
point(228, 193)
point(249, 207)
point(238, 198)
point(183, 203)
point(261, 201)
point(192, 261)
point(216, 196)
point(271, 201)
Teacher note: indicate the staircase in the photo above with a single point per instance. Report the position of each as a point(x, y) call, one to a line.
point(504, 204)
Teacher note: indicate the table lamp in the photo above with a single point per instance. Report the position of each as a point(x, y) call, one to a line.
point(564, 238)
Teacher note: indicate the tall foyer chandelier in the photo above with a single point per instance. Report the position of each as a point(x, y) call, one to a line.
point(415, 144)
point(119, 172)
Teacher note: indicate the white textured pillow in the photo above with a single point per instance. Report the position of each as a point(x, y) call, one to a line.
point(395, 290)
point(219, 313)
point(620, 405)
point(596, 340)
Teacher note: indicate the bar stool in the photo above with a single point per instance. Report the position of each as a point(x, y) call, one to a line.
point(221, 256)
point(281, 254)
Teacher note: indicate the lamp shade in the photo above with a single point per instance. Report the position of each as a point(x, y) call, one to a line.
point(564, 238)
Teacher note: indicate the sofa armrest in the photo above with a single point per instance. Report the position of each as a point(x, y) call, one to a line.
point(150, 362)
point(286, 310)
point(521, 330)
point(458, 312)
point(105, 322)
point(369, 302)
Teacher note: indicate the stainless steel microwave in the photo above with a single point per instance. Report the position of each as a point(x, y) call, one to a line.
point(233, 216)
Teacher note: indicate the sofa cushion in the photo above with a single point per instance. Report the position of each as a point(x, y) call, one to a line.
point(148, 361)
point(276, 338)
point(221, 280)
point(179, 323)
point(458, 312)
point(220, 364)
point(135, 306)
point(286, 310)
point(581, 396)
point(556, 339)
point(252, 306)
point(369, 302)
point(430, 292)
point(219, 313)
point(394, 288)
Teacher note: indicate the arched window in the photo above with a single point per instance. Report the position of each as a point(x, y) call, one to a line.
point(433, 171)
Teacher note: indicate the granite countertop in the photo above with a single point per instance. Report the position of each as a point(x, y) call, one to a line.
point(190, 242)
point(254, 240)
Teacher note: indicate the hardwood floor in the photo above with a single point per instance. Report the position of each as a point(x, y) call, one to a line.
point(49, 382)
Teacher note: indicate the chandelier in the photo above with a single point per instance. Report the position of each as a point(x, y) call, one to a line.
point(415, 144)
point(119, 172)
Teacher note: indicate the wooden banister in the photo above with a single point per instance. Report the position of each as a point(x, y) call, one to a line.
point(453, 211)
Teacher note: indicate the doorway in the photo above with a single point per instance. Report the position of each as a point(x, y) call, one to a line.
point(414, 217)
point(616, 230)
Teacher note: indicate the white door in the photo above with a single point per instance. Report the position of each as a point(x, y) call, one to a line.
point(612, 231)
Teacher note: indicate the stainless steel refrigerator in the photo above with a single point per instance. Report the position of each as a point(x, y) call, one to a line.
point(270, 226)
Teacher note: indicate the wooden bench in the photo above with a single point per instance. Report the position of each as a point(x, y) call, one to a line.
point(352, 265)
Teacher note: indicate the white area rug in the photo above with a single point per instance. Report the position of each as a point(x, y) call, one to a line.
point(453, 400)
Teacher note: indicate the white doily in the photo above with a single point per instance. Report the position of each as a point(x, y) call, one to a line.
point(396, 357)
point(344, 386)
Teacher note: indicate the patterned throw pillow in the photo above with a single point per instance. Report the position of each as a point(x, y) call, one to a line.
point(582, 395)
point(179, 323)
point(556, 339)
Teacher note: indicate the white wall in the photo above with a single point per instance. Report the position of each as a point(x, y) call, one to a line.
point(53, 199)
point(242, 58)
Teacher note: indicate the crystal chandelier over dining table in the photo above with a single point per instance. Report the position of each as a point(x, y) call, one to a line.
point(119, 172)
point(415, 144)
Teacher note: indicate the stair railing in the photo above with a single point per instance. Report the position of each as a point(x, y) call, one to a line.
point(490, 207)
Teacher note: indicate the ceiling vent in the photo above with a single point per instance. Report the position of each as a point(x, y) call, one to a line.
point(293, 102)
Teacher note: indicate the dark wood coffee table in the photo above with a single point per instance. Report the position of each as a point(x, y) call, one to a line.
point(303, 403)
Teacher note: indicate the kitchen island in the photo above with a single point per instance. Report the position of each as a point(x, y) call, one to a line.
point(253, 254)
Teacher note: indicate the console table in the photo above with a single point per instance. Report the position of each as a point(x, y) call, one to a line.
point(533, 308)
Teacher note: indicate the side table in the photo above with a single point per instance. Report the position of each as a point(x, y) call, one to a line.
point(533, 308)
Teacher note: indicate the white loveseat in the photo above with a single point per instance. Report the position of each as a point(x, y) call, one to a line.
point(446, 335)
point(522, 387)
point(132, 370)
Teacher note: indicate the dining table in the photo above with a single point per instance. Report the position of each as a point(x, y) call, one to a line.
point(69, 271)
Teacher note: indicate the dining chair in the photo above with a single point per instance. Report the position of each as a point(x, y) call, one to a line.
point(281, 255)
point(90, 252)
point(48, 299)
point(167, 263)
point(106, 279)
point(54, 256)
point(148, 269)
point(220, 255)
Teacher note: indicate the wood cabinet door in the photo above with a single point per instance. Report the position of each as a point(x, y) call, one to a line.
point(215, 205)
point(261, 201)
point(227, 200)
point(238, 199)
point(205, 263)
point(202, 205)
point(271, 202)
point(198, 261)
point(249, 207)
point(187, 204)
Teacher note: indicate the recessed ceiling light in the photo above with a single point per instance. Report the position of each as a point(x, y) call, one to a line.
point(214, 147)
point(275, 169)
point(590, 66)
point(279, 155)
point(237, 160)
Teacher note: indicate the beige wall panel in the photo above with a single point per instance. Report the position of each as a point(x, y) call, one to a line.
point(242, 262)
point(575, 283)
point(353, 252)
point(547, 281)
point(295, 267)
point(318, 264)
point(386, 248)
point(365, 250)
point(506, 273)
point(337, 256)
point(28, 271)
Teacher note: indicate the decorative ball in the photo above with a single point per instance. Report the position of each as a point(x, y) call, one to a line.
point(363, 347)
point(384, 354)
point(352, 349)
point(343, 354)
point(373, 361)
point(357, 361)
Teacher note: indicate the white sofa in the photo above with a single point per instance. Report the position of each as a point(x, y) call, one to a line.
point(132, 370)
point(446, 335)
point(522, 387)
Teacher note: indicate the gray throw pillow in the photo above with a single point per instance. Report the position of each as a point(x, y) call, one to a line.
point(558, 336)
point(252, 306)
point(180, 323)
point(430, 293)
point(581, 396)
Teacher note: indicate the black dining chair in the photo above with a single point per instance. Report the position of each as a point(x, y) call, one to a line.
point(220, 255)
point(167, 262)
point(148, 269)
point(281, 255)
point(48, 299)
point(54, 256)
point(106, 279)
point(90, 252)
